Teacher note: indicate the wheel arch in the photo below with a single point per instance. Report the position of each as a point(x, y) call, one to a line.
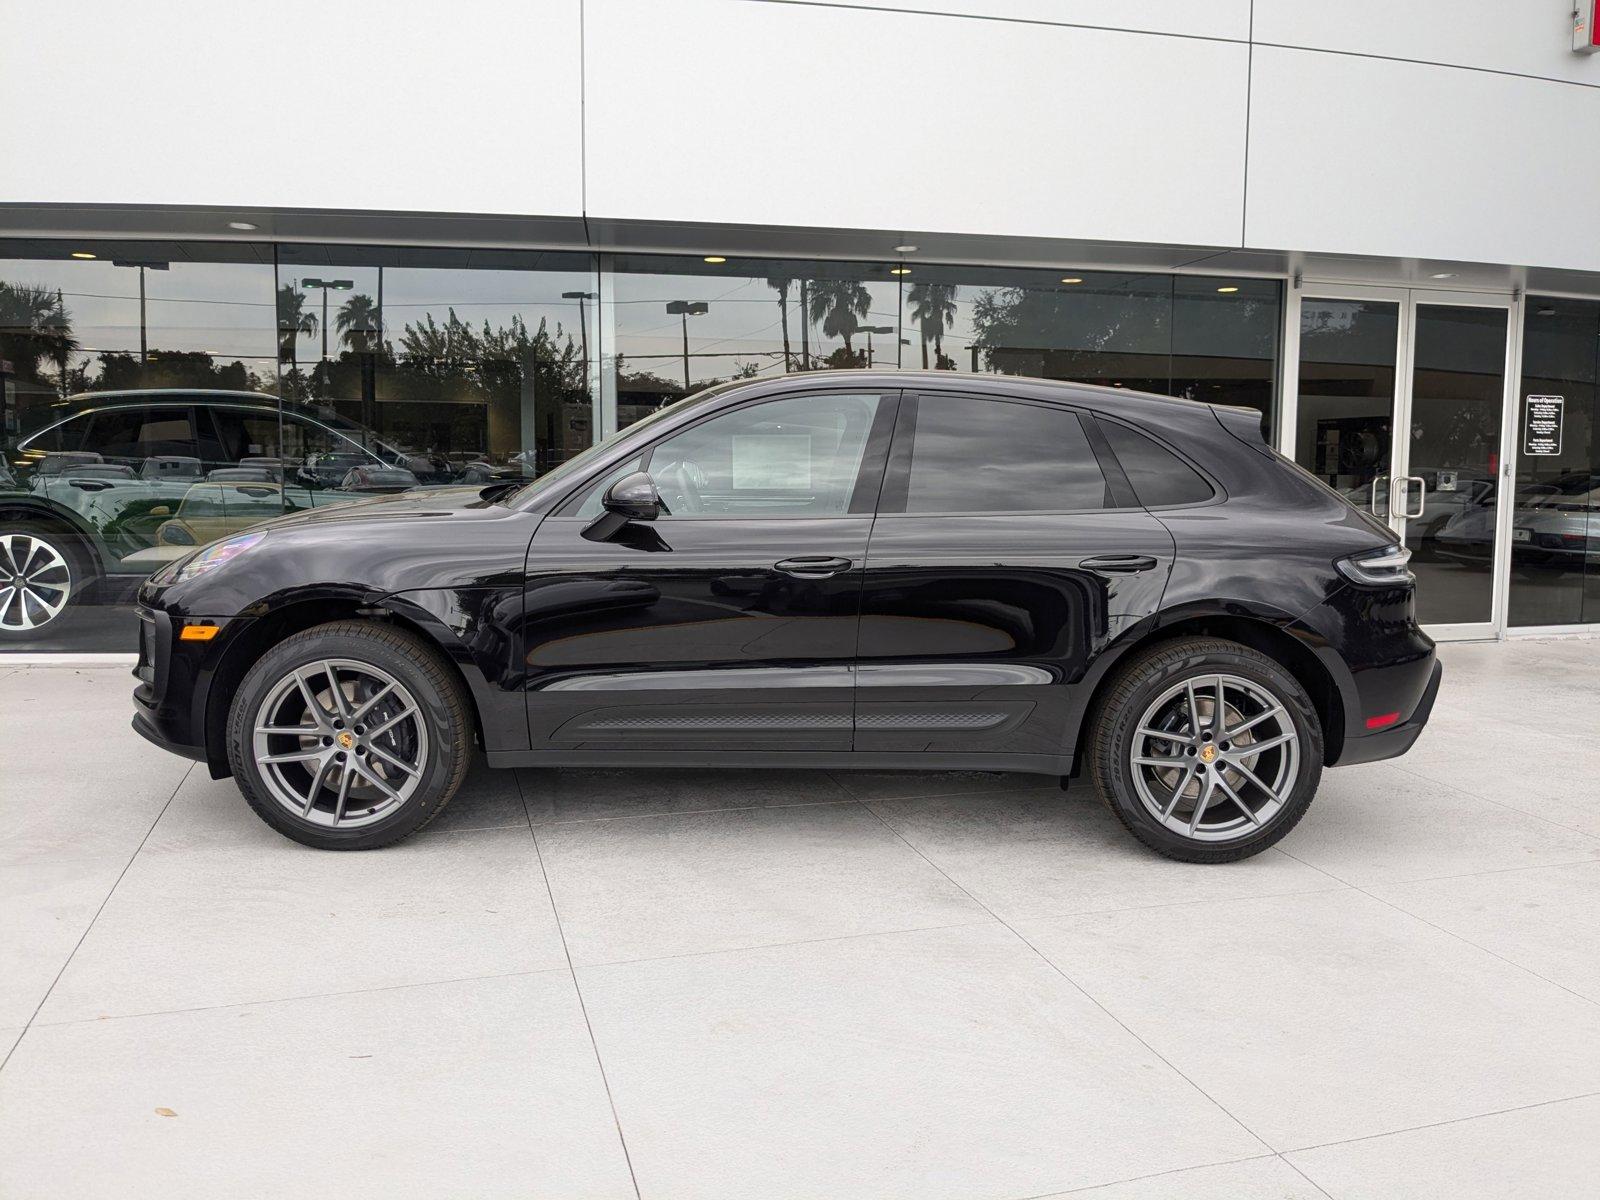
point(306, 612)
point(19, 508)
point(1277, 635)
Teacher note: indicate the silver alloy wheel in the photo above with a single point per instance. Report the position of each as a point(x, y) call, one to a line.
point(340, 743)
point(1215, 758)
point(35, 582)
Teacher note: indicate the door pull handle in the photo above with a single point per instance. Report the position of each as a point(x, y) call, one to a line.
point(1119, 563)
point(812, 566)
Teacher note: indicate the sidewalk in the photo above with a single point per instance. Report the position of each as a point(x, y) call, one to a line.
point(793, 984)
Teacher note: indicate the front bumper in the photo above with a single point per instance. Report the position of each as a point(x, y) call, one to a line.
point(169, 703)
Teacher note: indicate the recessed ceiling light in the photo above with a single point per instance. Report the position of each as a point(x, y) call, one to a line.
point(899, 270)
point(82, 254)
point(1071, 279)
point(905, 249)
point(1443, 275)
point(715, 258)
point(242, 226)
point(1227, 290)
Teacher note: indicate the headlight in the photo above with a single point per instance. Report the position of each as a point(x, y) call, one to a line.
point(1383, 567)
point(209, 559)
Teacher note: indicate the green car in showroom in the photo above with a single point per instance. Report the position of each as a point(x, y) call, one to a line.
point(116, 484)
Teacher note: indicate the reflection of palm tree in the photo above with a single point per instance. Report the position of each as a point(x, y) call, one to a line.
point(357, 322)
point(34, 326)
point(293, 320)
point(838, 306)
point(933, 308)
point(780, 284)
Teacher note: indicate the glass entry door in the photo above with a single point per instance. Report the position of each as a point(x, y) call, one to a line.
point(1401, 407)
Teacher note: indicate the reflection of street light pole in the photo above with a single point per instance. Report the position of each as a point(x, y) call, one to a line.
point(687, 309)
point(583, 326)
point(869, 330)
point(143, 265)
point(338, 285)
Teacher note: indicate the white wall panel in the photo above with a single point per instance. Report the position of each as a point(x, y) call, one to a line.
point(295, 103)
point(792, 114)
point(1527, 37)
point(1196, 18)
point(1366, 156)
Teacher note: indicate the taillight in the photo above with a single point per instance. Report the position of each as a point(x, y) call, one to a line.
point(1384, 567)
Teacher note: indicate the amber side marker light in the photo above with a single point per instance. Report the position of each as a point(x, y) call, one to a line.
point(202, 633)
point(1378, 722)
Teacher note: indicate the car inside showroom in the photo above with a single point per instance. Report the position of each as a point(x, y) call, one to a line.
point(749, 598)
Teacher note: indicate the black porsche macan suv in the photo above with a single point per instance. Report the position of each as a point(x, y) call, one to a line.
point(843, 569)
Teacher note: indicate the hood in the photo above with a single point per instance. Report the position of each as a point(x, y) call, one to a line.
point(422, 504)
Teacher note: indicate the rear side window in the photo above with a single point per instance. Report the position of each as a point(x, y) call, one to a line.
point(1159, 477)
point(971, 455)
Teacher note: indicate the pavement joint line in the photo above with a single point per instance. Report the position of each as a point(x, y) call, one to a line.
point(837, 937)
point(259, 1003)
point(577, 988)
point(1462, 938)
point(1455, 787)
point(111, 891)
point(1333, 886)
point(1498, 1112)
point(1015, 932)
point(1227, 1162)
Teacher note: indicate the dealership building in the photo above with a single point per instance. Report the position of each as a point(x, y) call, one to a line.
point(255, 259)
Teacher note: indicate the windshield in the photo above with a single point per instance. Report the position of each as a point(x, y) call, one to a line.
point(577, 463)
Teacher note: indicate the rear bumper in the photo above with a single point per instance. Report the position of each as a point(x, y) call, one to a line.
point(1397, 739)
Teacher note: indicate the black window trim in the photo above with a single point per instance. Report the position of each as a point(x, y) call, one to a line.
point(1219, 494)
point(897, 480)
point(864, 495)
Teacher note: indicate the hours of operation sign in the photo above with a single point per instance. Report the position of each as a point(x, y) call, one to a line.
point(1541, 426)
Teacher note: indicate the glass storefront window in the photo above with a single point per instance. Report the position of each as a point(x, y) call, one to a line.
point(159, 395)
point(109, 354)
point(1555, 520)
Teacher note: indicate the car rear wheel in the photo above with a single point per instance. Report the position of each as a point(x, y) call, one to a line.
point(40, 571)
point(349, 736)
point(1207, 750)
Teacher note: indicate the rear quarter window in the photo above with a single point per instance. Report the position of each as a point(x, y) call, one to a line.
point(1159, 477)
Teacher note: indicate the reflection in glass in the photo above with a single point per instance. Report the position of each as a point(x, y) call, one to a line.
point(1348, 351)
point(1457, 400)
point(1555, 522)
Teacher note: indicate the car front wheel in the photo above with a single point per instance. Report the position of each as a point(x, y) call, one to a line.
point(349, 736)
point(1207, 750)
point(39, 572)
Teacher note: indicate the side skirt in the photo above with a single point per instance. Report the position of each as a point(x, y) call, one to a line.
point(832, 760)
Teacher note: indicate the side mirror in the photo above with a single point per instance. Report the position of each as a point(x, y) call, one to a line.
point(631, 498)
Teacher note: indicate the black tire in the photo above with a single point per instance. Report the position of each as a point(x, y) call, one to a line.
point(441, 704)
point(72, 552)
point(1142, 682)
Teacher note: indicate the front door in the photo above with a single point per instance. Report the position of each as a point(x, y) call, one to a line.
point(1401, 406)
point(1003, 558)
point(729, 623)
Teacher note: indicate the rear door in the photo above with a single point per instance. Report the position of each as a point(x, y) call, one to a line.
point(1008, 550)
point(729, 623)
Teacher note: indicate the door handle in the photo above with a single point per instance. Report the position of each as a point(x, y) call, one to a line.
point(1119, 563)
point(1372, 498)
point(812, 566)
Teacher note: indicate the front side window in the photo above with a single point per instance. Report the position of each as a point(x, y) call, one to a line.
point(971, 455)
point(798, 457)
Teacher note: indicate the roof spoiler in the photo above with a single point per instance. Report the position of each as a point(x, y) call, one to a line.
point(1248, 425)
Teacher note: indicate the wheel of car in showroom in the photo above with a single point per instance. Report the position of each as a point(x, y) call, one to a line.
point(40, 570)
point(1207, 750)
point(350, 735)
